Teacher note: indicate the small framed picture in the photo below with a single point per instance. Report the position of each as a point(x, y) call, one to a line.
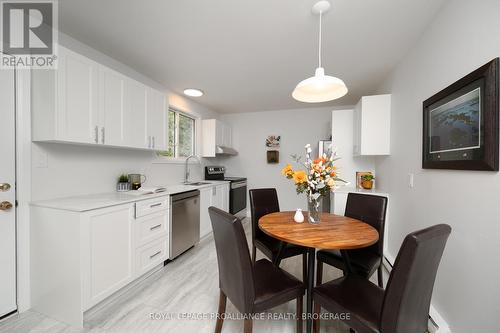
point(273, 141)
point(273, 156)
point(460, 123)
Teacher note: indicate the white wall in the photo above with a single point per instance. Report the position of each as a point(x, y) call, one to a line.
point(463, 36)
point(75, 170)
point(296, 127)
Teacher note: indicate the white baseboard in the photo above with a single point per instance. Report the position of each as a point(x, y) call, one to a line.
point(436, 323)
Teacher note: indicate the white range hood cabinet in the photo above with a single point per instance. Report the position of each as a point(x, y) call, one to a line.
point(217, 138)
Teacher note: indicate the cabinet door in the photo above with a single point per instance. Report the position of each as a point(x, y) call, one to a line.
point(112, 107)
point(219, 133)
point(78, 104)
point(134, 120)
point(227, 136)
point(110, 252)
point(156, 119)
point(205, 202)
point(223, 192)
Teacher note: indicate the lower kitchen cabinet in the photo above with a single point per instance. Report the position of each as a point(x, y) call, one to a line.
point(217, 196)
point(80, 258)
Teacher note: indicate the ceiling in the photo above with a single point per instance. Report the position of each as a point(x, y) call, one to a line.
point(249, 55)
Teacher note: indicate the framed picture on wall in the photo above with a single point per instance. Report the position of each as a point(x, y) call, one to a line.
point(460, 123)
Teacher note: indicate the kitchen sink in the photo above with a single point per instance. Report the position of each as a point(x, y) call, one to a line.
point(197, 183)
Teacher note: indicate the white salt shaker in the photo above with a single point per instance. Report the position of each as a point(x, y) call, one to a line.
point(298, 217)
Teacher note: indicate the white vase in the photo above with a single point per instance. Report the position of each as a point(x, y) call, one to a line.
point(298, 217)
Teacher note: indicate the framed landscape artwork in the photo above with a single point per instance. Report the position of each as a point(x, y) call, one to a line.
point(461, 123)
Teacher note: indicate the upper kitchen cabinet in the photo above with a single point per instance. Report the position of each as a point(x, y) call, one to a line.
point(156, 116)
point(88, 103)
point(372, 125)
point(65, 103)
point(217, 138)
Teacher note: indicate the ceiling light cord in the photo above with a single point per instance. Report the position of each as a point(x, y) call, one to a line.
point(319, 44)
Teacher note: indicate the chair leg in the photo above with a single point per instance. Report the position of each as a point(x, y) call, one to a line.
point(254, 253)
point(221, 312)
point(316, 313)
point(380, 277)
point(319, 273)
point(299, 314)
point(248, 326)
point(304, 267)
point(352, 331)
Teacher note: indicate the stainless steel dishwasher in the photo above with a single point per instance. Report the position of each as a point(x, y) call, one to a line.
point(184, 221)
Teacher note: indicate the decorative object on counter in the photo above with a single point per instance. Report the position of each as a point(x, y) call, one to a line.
point(360, 174)
point(273, 141)
point(136, 180)
point(273, 156)
point(318, 180)
point(298, 217)
point(460, 129)
point(367, 181)
point(123, 185)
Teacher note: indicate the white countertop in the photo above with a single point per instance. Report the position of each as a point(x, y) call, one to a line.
point(351, 189)
point(88, 202)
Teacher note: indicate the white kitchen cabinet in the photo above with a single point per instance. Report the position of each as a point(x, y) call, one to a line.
point(372, 125)
point(65, 103)
point(217, 196)
point(156, 119)
point(108, 260)
point(87, 103)
point(215, 134)
point(79, 258)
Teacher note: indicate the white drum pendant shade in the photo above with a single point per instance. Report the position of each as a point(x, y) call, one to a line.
point(320, 87)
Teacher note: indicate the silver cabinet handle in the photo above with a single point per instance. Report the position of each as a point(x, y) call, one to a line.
point(149, 141)
point(214, 190)
point(153, 141)
point(155, 205)
point(155, 227)
point(103, 133)
point(96, 134)
point(154, 255)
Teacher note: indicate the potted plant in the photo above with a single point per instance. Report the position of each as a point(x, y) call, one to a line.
point(123, 184)
point(367, 181)
point(318, 179)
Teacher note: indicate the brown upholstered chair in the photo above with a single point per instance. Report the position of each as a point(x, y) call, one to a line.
point(370, 209)
point(251, 288)
point(404, 306)
point(264, 201)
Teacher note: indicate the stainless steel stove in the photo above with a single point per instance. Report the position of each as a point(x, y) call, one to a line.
point(238, 187)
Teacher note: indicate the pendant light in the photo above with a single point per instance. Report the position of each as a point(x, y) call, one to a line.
point(320, 87)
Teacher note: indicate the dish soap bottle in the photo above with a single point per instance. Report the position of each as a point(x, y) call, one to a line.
point(298, 217)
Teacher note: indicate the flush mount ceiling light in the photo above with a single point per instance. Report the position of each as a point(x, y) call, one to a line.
point(320, 87)
point(191, 92)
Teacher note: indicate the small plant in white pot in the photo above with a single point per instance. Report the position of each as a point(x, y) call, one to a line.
point(123, 184)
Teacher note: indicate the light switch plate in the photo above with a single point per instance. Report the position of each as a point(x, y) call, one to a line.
point(411, 180)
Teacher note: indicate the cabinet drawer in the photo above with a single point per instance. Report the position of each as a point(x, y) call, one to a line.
point(151, 226)
point(146, 207)
point(151, 255)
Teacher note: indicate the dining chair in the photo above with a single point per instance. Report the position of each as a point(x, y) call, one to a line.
point(404, 306)
point(252, 288)
point(264, 201)
point(370, 209)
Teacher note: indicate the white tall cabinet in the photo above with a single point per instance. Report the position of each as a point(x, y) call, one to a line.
point(87, 103)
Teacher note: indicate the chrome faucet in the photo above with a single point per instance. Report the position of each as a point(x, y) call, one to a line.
point(186, 167)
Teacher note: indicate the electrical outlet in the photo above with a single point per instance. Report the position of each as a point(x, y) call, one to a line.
point(410, 180)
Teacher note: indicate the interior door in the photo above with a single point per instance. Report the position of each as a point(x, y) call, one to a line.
point(7, 193)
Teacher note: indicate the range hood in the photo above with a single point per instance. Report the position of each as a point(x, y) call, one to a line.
point(221, 150)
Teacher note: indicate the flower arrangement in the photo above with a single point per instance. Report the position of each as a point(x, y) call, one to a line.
point(318, 178)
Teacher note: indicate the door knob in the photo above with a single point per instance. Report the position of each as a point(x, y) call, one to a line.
point(5, 205)
point(4, 187)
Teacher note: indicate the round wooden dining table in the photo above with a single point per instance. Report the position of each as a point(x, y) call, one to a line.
point(334, 232)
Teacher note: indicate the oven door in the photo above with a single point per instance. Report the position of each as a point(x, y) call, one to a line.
point(238, 197)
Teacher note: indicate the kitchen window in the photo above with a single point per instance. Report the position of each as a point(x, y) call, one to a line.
point(181, 136)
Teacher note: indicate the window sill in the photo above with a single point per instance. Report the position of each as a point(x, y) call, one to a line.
point(173, 160)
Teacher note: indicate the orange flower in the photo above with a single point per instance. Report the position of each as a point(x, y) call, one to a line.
point(299, 177)
point(287, 171)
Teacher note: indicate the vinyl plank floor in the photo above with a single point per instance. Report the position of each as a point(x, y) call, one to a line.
point(188, 285)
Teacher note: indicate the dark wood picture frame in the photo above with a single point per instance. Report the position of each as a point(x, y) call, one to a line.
point(485, 155)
